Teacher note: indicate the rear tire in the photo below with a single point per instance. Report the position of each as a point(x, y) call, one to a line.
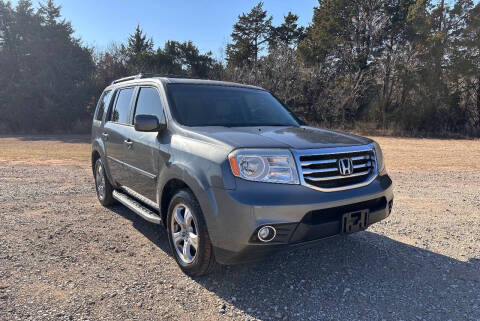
point(102, 185)
point(188, 235)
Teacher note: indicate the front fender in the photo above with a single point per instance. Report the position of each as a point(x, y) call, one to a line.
point(198, 183)
point(202, 166)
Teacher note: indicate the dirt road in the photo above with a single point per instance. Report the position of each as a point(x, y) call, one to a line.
point(65, 257)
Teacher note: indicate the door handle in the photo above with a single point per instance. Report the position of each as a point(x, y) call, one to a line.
point(105, 136)
point(128, 142)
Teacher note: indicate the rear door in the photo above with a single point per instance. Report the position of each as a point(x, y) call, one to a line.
point(114, 132)
point(147, 152)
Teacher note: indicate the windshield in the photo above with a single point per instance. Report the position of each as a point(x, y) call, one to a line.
point(211, 105)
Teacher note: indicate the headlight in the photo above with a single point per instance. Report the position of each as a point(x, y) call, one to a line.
point(264, 165)
point(380, 161)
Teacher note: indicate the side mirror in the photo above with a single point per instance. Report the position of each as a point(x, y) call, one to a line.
point(148, 123)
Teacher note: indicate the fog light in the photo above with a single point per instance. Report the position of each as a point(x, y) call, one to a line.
point(266, 233)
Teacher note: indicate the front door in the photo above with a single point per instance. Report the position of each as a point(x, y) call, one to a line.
point(147, 152)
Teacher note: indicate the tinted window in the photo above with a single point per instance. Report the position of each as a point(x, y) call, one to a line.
point(103, 104)
point(121, 112)
point(148, 103)
point(208, 105)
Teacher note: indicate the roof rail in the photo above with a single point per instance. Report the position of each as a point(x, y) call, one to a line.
point(166, 75)
point(127, 79)
point(148, 75)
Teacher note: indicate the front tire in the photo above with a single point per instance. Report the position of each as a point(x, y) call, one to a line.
point(188, 236)
point(102, 185)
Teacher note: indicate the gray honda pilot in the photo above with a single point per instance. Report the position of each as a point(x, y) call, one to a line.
point(231, 173)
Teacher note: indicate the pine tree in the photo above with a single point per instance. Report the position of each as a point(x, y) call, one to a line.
point(287, 34)
point(138, 43)
point(249, 35)
point(50, 12)
point(139, 51)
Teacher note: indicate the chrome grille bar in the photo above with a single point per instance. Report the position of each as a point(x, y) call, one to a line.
point(322, 170)
point(360, 158)
point(325, 161)
point(368, 164)
point(329, 178)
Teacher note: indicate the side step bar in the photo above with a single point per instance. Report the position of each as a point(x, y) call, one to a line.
point(138, 208)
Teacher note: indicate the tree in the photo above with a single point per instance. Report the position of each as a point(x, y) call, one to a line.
point(472, 42)
point(49, 12)
point(45, 70)
point(404, 19)
point(196, 64)
point(139, 51)
point(287, 34)
point(406, 65)
point(345, 31)
point(346, 38)
point(249, 35)
point(178, 58)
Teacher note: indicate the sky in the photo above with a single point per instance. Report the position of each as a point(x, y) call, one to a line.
point(208, 23)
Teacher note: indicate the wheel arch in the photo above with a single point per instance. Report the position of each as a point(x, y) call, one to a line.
point(98, 151)
point(169, 190)
point(180, 177)
point(95, 157)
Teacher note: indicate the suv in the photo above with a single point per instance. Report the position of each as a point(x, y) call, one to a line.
point(230, 172)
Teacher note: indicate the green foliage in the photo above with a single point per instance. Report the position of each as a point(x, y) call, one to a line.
point(287, 34)
point(249, 35)
point(139, 51)
point(411, 66)
point(50, 82)
point(45, 71)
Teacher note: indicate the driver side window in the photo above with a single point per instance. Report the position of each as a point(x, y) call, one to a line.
point(149, 103)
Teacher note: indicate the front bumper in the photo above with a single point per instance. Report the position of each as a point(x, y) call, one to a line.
point(301, 215)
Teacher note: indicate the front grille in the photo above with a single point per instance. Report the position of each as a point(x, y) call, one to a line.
point(322, 170)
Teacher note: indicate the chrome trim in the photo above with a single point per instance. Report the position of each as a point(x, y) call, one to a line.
point(114, 159)
point(140, 197)
point(138, 170)
point(334, 150)
point(368, 164)
point(318, 162)
point(331, 178)
point(270, 239)
point(359, 158)
point(297, 153)
point(322, 170)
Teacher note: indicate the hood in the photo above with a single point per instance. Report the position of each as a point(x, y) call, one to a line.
point(281, 137)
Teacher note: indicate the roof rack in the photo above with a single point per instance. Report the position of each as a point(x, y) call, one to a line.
point(127, 78)
point(147, 75)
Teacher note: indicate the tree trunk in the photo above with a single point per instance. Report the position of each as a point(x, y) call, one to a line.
point(478, 102)
point(386, 84)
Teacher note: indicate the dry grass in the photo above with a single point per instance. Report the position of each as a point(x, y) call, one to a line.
point(402, 154)
point(66, 149)
point(414, 154)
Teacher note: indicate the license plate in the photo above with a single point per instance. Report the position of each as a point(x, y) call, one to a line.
point(354, 221)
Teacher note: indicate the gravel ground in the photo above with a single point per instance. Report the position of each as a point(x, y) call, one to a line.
point(65, 257)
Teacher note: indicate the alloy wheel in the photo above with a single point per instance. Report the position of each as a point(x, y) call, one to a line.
point(100, 182)
point(184, 233)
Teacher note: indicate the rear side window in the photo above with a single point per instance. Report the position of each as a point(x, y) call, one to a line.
point(148, 103)
point(103, 104)
point(121, 111)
